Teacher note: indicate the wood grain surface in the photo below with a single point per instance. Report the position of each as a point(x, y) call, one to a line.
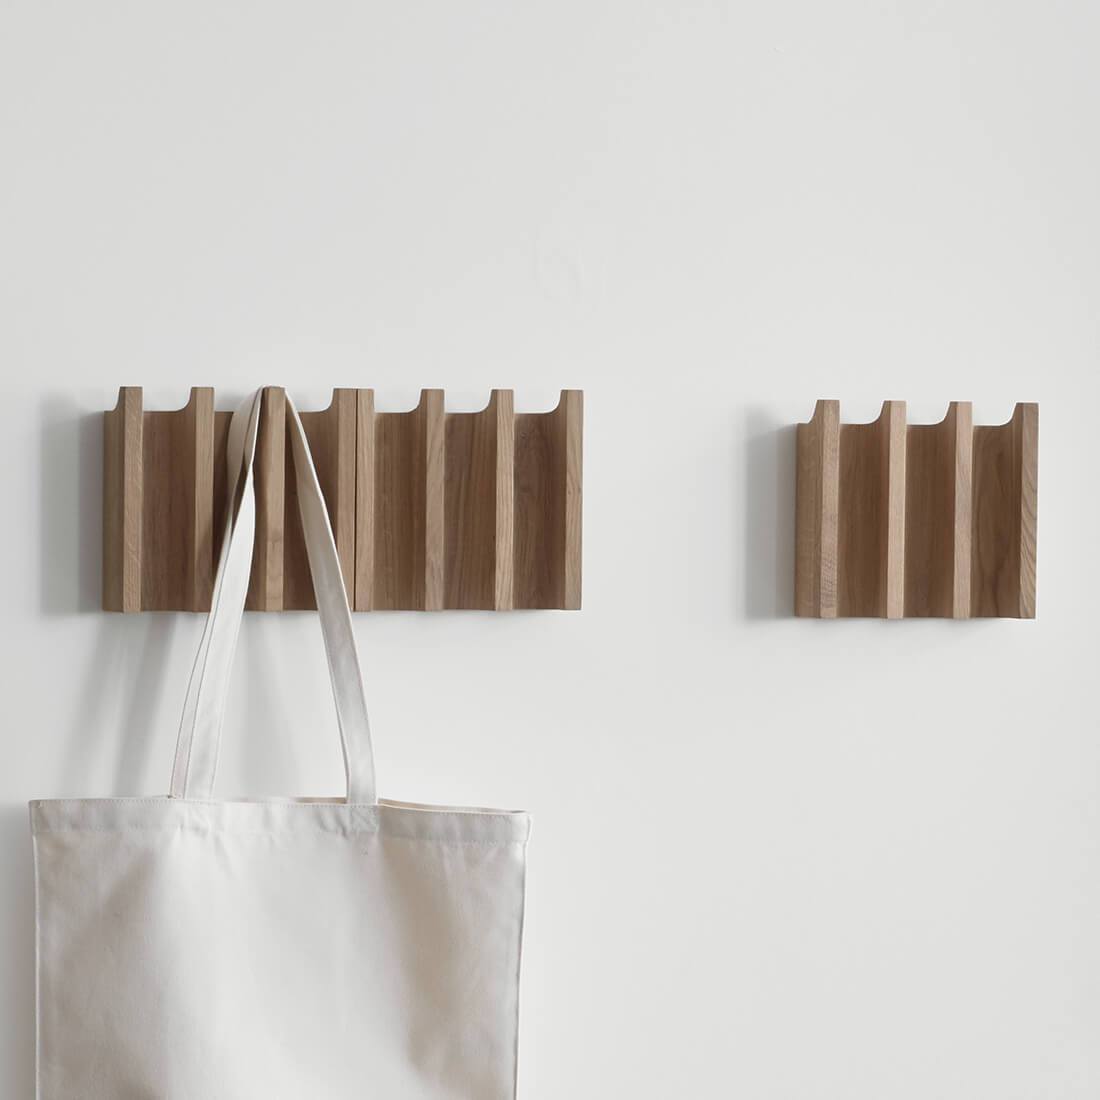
point(123, 501)
point(1004, 528)
point(547, 533)
point(916, 520)
point(817, 503)
point(426, 507)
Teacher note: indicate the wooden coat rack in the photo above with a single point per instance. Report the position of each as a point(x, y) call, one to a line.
point(897, 520)
point(430, 510)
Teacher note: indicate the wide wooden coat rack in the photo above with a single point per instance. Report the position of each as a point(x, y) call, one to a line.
point(430, 509)
point(898, 520)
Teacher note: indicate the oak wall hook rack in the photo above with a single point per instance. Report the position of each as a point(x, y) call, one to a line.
point(430, 509)
point(897, 520)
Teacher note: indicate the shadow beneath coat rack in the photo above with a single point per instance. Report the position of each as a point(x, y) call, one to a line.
point(768, 553)
point(70, 528)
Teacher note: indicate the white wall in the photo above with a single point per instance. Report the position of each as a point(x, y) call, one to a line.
point(772, 858)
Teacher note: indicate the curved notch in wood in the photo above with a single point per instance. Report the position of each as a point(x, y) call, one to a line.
point(916, 520)
point(430, 510)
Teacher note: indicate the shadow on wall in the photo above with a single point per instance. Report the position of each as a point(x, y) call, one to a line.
point(71, 507)
point(119, 695)
point(117, 699)
point(769, 471)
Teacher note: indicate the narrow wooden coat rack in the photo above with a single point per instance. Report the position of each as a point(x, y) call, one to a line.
point(897, 520)
point(429, 509)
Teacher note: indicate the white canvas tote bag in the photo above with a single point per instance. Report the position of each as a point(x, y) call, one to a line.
point(191, 948)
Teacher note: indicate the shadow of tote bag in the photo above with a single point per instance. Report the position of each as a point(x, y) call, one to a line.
point(193, 948)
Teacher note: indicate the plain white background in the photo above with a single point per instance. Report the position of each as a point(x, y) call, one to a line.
point(772, 858)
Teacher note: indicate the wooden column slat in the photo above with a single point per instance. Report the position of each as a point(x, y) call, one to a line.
point(1025, 422)
point(477, 506)
point(199, 429)
point(431, 428)
point(502, 403)
point(892, 442)
point(265, 591)
point(364, 499)
point(547, 501)
point(331, 434)
point(570, 420)
point(817, 503)
point(123, 492)
point(960, 417)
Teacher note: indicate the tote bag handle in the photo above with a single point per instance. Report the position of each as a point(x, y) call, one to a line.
point(204, 708)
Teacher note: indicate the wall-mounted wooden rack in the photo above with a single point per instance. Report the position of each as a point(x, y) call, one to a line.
point(897, 520)
point(430, 509)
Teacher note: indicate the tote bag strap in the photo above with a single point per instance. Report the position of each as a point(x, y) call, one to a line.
point(204, 708)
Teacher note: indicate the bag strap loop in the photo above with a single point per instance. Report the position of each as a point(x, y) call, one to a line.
point(196, 758)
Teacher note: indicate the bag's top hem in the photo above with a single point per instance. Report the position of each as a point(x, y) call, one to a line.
point(410, 820)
